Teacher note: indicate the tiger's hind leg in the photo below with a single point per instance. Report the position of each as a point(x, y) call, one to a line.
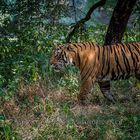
point(105, 89)
point(138, 76)
point(138, 81)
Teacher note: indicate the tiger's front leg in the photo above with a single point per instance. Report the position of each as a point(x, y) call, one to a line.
point(105, 89)
point(84, 90)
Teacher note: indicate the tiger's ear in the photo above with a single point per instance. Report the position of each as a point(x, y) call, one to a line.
point(56, 43)
point(66, 46)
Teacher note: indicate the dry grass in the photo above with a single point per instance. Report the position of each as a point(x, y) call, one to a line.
point(40, 113)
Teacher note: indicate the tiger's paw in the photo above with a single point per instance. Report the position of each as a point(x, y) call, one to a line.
point(111, 98)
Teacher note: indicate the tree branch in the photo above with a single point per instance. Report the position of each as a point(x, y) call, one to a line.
point(83, 20)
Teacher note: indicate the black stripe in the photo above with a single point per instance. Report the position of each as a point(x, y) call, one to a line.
point(84, 66)
point(98, 52)
point(103, 60)
point(73, 63)
point(86, 73)
point(89, 74)
point(113, 75)
point(136, 45)
point(85, 45)
point(80, 47)
point(93, 45)
point(136, 55)
point(129, 47)
point(76, 46)
point(108, 58)
point(64, 56)
point(79, 60)
point(126, 60)
point(111, 48)
point(105, 85)
point(126, 63)
point(135, 52)
point(108, 61)
point(90, 45)
point(116, 59)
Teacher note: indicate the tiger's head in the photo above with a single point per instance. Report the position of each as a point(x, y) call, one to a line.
point(61, 57)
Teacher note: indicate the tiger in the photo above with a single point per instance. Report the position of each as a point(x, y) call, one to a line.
point(97, 63)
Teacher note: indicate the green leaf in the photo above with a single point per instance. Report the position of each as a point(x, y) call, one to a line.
point(135, 119)
point(2, 117)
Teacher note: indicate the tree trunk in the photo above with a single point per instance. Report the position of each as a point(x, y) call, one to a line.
point(119, 20)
